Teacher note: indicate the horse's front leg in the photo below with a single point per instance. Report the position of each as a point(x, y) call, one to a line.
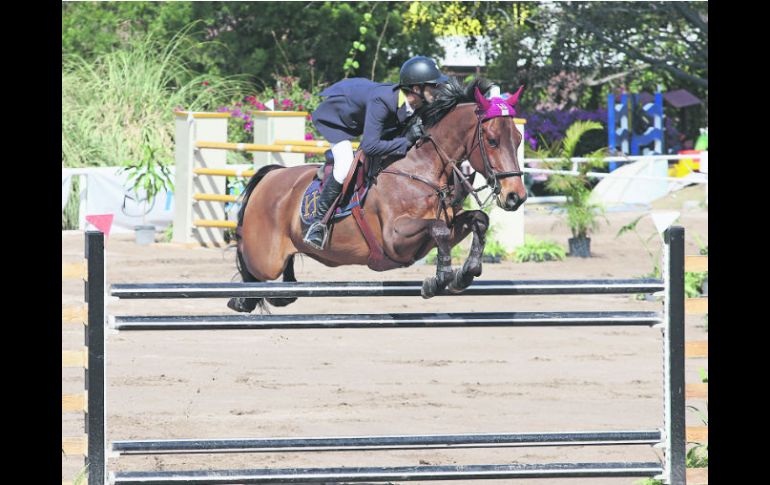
point(431, 286)
point(478, 222)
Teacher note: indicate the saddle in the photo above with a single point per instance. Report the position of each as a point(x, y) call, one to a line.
point(350, 201)
point(350, 196)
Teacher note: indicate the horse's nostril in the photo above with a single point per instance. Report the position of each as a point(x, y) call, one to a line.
point(513, 199)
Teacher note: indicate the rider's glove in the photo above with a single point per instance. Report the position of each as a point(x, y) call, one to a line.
point(415, 132)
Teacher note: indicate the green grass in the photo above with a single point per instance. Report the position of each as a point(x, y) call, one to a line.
point(125, 99)
point(71, 212)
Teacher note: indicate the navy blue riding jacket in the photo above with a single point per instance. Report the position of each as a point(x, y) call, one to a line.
point(359, 106)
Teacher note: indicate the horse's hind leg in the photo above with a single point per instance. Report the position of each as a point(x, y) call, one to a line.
point(478, 222)
point(288, 275)
point(245, 305)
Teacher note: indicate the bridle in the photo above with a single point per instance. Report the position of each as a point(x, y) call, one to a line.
point(492, 176)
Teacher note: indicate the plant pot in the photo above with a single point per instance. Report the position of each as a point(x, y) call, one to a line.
point(144, 235)
point(486, 258)
point(580, 246)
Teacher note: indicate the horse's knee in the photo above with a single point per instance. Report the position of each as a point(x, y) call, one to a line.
point(481, 221)
point(440, 231)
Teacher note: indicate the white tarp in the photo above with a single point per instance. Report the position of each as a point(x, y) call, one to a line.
point(619, 188)
point(107, 193)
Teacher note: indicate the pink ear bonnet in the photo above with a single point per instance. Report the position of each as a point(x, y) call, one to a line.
point(492, 108)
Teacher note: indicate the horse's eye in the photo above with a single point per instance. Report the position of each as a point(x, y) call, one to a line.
point(492, 142)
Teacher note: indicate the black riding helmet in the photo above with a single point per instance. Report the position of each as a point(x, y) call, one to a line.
point(420, 70)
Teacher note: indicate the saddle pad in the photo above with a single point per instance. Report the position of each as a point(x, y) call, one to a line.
point(307, 209)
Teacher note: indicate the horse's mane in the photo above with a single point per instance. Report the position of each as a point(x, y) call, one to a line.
point(450, 95)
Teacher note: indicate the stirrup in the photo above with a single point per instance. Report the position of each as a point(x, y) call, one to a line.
point(325, 236)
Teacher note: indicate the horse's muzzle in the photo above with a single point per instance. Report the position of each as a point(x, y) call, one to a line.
point(511, 202)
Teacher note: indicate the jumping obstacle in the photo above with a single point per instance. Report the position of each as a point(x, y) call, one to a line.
point(670, 321)
point(201, 168)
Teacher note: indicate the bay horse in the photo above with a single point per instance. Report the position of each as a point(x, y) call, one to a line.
point(412, 207)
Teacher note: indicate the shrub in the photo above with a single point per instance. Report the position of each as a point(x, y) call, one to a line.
point(693, 283)
point(286, 96)
point(538, 251)
point(115, 104)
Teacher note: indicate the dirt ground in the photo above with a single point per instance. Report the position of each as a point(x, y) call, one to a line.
point(300, 383)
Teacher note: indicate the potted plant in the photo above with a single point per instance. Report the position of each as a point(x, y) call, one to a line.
point(147, 178)
point(582, 215)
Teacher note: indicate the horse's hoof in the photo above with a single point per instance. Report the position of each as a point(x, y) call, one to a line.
point(243, 305)
point(452, 288)
point(460, 282)
point(429, 287)
point(278, 302)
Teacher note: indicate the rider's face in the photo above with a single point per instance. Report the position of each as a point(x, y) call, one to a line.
point(428, 92)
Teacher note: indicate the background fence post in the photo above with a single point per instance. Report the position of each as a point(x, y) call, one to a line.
point(278, 125)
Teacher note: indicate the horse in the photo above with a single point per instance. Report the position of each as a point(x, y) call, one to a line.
point(413, 205)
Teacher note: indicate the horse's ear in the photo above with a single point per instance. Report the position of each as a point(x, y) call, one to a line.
point(481, 100)
point(512, 100)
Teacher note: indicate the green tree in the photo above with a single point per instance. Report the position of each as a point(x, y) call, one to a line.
point(91, 29)
point(309, 40)
point(604, 46)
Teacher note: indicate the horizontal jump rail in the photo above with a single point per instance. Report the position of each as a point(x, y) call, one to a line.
point(224, 172)
point(393, 320)
point(407, 473)
point(696, 349)
point(215, 197)
point(74, 314)
point(215, 223)
point(696, 306)
point(74, 271)
point(75, 445)
point(696, 264)
point(380, 288)
point(251, 147)
point(310, 143)
point(604, 438)
point(74, 402)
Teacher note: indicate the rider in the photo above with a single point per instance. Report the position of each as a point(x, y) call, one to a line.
point(378, 111)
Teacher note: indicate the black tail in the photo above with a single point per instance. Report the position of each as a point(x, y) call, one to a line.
point(247, 305)
point(255, 179)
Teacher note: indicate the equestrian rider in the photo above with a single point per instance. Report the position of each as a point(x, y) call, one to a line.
point(379, 112)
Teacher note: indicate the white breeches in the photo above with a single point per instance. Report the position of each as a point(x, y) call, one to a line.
point(343, 158)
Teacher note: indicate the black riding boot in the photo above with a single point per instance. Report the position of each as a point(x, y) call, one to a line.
point(318, 232)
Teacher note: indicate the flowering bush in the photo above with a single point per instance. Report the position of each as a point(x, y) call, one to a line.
point(286, 96)
point(551, 126)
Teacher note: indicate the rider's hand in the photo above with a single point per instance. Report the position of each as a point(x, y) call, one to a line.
point(415, 132)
